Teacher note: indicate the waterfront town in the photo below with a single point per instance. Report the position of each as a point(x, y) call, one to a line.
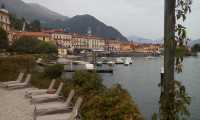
point(68, 42)
point(50, 73)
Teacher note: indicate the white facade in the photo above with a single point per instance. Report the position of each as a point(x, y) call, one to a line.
point(4, 20)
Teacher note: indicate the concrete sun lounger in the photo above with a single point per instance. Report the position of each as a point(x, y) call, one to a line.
point(18, 80)
point(31, 93)
point(47, 97)
point(20, 85)
point(65, 116)
point(54, 107)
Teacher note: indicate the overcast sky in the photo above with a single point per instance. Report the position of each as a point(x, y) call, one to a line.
point(131, 17)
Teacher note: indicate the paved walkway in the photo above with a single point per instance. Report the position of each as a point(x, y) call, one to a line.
point(14, 106)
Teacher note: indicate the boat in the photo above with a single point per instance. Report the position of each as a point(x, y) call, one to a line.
point(111, 63)
point(126, 62)
point(89, 66)
point(119, 61)
point(99, 63)
point(129, 59)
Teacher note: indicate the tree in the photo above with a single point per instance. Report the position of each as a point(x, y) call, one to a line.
point(3, 39)
point(17, 23)
point(54, 71)
point(174, 100)
point(34, 26)
point(33, 46)
point(47, 47)
point(26, 45)
point(196, 48)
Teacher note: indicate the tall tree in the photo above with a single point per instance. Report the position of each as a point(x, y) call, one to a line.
point(35, 26)
point(174, 100)
point(17, 23)
point(3, 39)
point(169, 57)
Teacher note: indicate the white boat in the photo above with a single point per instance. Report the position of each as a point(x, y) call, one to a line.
point(99, 63)
point(129, 60)
point(119, 61)
point(89, 66)
point(126, 62)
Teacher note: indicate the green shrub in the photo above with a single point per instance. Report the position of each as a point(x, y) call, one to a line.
point(11, 66)
point(25, 45)
point(87, 81)
point(54, 71)
point(40, 81)
point(46, 47)
point(111, 104)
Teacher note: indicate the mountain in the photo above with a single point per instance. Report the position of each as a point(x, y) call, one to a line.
point(31, 11)
point(139, 39)
point(193, 42)
point(50, 19)
point(83, 23)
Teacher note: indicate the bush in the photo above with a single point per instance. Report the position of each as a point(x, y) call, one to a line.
point(46, 47)
point(11, 66)
point(86, 81)
point(115, 101)
point(54, 71)
point(40, 81)
point(25, 45)
point(33, 46)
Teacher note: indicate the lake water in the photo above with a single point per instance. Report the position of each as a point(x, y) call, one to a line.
point(142, 78)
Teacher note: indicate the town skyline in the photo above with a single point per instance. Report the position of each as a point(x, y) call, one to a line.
point(133, 15)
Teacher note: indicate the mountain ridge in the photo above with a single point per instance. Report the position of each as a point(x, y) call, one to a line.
point(143, 40)
point(31, 11)
point(98, 28)
point(193, 42)
point(48, 18)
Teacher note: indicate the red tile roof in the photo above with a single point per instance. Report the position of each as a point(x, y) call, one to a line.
point(32, 34)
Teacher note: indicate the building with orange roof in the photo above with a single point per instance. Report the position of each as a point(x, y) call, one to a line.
point(127, 47)
point(39, 35)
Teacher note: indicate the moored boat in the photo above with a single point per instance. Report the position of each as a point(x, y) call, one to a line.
point(119, 61)
point(111, 63)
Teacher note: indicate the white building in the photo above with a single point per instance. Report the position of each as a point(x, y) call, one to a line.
point(4, 20)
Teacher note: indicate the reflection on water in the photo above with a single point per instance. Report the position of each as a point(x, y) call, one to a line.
point(142, 78)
